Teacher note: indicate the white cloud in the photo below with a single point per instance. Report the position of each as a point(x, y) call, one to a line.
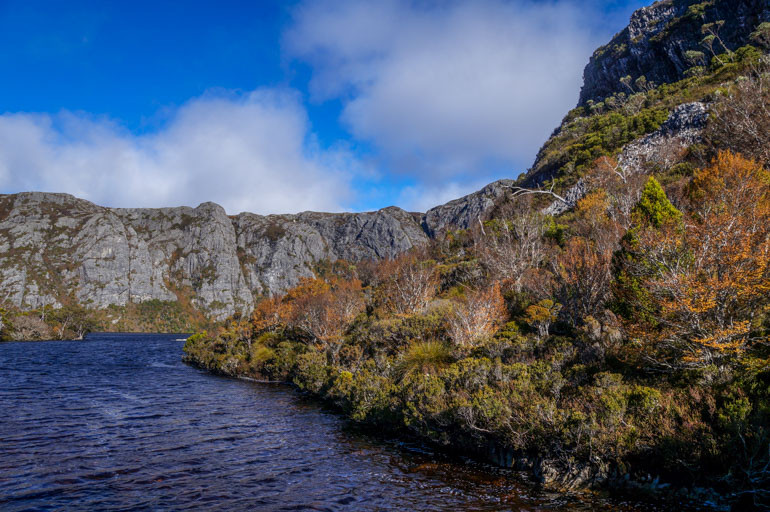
point(447, 89)
point(248, 153)
point(451, 94)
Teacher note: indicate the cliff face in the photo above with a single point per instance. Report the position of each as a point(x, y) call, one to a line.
point(656, 43)
point(55, 247)
point(463, 212)
point(692, 44)
point(277, 250)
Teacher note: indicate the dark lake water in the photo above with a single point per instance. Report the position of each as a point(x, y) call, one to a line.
point(118, 422)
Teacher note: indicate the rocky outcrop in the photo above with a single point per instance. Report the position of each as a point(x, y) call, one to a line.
point(656, 43)
point(574, 194)
point(55, 247)
point(682, 129)
point(277, 250)
point(663, 43)
point(662, 148)
point(463, 212)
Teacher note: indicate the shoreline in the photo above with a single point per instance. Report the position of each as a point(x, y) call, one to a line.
point(182, 336)
point(547, 474)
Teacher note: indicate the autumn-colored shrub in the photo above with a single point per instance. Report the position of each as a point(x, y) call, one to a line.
point(582, 278)
point(541, 315)
point(692, 291)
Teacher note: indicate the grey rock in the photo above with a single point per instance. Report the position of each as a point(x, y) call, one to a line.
point(463, 212)
point(574, 194)
point(54, 246)
point(655, 43)
point(683, 128)
point(278, 250)
point(689, 117)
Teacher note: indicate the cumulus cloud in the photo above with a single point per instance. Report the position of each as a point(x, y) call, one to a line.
point(251, 152)
point(448, 89)
point(449, 94)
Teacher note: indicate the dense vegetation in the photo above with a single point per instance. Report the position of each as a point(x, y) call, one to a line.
point(628, 336)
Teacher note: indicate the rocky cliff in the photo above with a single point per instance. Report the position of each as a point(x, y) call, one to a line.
point(672, 52)
point(463, 212)
point(55, 247)
point(277, 250)
point(666, 39)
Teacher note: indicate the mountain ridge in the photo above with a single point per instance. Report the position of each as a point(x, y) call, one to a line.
point(56, 247)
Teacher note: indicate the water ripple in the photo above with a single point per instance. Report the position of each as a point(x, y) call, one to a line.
point(119, 423)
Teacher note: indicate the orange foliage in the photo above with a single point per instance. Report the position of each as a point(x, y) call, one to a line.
point(594, 222)
point(323, 309)
point(711, 279)
point(582, 276)
point(542, 314)
point(267, 314)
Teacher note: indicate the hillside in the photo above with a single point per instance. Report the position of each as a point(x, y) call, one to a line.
point(672, 52)
point(604, 321)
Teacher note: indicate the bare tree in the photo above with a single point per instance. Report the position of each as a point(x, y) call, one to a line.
point(521, 191)
point(512, 246)
point(623, 187)
point(409, 283)
point(478, 316)
point(741, 118)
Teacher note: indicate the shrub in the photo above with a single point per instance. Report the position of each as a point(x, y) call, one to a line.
point(541, 315)
point(423, 357)
point(691, 292)
point(312, 372)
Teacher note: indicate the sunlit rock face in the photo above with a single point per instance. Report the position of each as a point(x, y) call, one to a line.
point(55, 246)
point(464, 212)
point(277, 250)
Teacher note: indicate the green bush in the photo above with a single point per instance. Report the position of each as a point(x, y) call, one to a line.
point(312, 372)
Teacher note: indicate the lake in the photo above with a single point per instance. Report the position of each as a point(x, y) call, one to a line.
point(118, 422)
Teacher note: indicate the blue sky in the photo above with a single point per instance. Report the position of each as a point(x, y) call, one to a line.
point(278, 107)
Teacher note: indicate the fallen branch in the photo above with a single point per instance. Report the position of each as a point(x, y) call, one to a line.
point(521, 191)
